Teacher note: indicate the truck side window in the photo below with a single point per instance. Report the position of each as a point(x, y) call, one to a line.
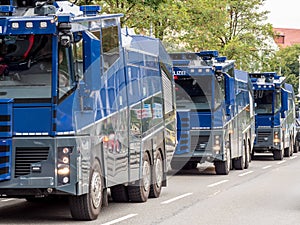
point(110, 45)
point(65, 75)
point(78, 59)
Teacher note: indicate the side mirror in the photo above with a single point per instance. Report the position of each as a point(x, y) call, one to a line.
point(65, 35)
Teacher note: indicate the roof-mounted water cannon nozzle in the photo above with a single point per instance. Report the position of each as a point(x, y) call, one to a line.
point(44, 8)
point(261, 80)
point(208, 55)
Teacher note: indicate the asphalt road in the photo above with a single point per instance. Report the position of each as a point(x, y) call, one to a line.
point(267, 193)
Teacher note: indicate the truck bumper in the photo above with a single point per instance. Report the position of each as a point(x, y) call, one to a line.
point(33, 167)
point(198, 146)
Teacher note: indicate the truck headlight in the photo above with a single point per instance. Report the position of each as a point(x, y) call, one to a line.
point(15, 25)
point(63, 165)
point(217, 144)
point(276, 138)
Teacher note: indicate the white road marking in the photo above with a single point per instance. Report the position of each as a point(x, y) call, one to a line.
point(120, 219)
point(176, 198)
point(283, 161)
point(294, 157)
point(214, 194)
point(217, 183)
point(244, 174)
point(8, 199)
point(266, 167)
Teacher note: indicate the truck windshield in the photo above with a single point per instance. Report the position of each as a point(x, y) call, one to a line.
point(194, 92)
point(263, 100)
point(25, 66)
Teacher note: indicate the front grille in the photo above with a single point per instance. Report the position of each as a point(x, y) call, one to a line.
point(4, 128)
point(5, 125)
point(4, 170)
point(4, 118)
point(5, 155)
point(26, 156)
point(4, 148)
point(4, 159)
point(262, 135)
point(199, 143)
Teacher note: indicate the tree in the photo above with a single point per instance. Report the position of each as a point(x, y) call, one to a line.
point(132, 9)
point(286, 63)
point(235, 28)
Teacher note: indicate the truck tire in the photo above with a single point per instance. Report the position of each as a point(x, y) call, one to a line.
point(88, 206)
point(287, 152)
point(240, 162)
point(278, 154)
point(157, 176)
point(223, 167)
point(247, 157)
point(291, 147)
point(139, 192)
point(119, 193)
point(252, 154)
point(296, 147)
point(190, 165)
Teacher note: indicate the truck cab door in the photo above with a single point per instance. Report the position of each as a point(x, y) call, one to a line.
point(229, 94)
point(284, 102)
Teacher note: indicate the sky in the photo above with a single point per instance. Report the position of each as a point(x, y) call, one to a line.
point(283, 13)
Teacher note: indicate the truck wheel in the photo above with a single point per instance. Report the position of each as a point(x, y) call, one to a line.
point(247, 157)
point(88, 206)
point(278, 154)
point(291, 147)
point(119, 193)
point(139, 192)
point(287, 152)
point(240, 162)
point(223, 167)
point(296, 147)
point(157, 176)
point(190, 165)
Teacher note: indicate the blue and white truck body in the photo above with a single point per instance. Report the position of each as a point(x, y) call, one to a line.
point(275, 114)
point(84, 107)
point(215, 114)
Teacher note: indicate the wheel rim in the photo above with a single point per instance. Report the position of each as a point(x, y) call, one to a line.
point(158, 172)
point(146, 175)
point(96, 185)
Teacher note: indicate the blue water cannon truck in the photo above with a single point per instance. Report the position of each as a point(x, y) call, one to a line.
point(215, 113)
point(275, 114)
point(85, 107)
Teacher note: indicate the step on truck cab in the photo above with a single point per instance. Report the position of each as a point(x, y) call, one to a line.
point(215, 114)
point(275, 120)
point(84, 107)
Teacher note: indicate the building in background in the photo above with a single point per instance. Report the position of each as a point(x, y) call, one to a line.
point(285, 37)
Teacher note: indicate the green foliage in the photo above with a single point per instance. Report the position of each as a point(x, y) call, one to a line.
point(286, 62)
point(236, 28)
